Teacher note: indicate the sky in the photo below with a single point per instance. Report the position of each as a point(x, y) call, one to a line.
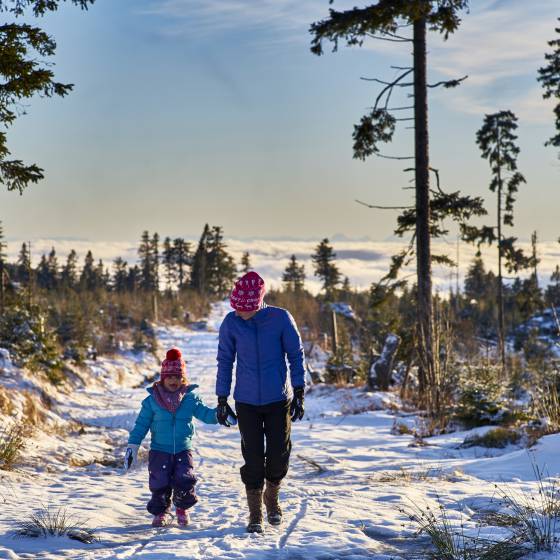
point(194, 111)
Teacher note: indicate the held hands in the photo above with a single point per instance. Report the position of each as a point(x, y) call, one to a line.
point(130, 456)
point(297, 408)
point(224, 413)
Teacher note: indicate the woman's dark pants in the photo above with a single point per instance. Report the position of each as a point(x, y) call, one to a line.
point(257, 424)
point(171, 475)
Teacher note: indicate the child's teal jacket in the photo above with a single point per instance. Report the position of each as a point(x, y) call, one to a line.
point(171, 433)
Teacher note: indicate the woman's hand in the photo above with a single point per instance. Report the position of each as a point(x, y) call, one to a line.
point(297, 408)
point(224, 413)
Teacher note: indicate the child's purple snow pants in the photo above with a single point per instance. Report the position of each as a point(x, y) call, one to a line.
point(171, 475)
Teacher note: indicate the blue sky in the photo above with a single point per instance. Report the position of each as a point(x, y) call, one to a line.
point(194, 111)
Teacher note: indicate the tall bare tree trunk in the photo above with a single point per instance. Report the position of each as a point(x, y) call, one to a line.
point(423, 251)
point(501, 324)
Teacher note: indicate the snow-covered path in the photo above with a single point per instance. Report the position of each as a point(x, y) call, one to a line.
point(345, 507)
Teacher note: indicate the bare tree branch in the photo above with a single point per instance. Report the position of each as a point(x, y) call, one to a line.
point(376, 207)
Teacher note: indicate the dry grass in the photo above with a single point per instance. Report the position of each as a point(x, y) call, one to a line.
point(6, 404)
point(53, 522)
point(12, 441)
point(495, 438)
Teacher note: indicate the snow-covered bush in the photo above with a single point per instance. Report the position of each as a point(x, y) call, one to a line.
point(481, 396)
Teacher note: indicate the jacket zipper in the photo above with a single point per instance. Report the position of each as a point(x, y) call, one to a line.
point(258, 362)
point(174, 433)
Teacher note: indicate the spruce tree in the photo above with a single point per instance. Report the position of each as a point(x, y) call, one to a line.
point(44, 279)
point(134, 279)
point(183, 259)
point(54, 272)
point(88, 280)
point(147, 261)
point(23, 264)
point(552, 294)
point(549, 76)
point(245, 263)
point(325, 268)
point(221, 271)
point(154, 248)
point(496, 140)
point(69, 275)
point(199, 263)
point(384, 20)
point(120, 275)
point(294, 275)
point(25, 73)
point(168, 260)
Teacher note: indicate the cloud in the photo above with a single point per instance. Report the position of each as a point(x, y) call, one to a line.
point(364, 262)
point(205, 17)
point(500, 45)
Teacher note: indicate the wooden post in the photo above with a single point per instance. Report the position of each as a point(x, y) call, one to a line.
point(155, 306)
point(334, 333)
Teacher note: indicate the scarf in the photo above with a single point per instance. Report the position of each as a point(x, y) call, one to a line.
point(168, 400)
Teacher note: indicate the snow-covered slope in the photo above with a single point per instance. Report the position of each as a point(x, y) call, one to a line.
point(349, 475)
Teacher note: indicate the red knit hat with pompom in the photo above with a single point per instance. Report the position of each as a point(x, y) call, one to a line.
point(173, 363)
point(248, 293)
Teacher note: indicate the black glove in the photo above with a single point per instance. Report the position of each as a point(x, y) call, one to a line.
point(224, 413)
point(297, 408)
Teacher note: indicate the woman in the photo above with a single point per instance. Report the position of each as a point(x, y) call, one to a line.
point(260, 337)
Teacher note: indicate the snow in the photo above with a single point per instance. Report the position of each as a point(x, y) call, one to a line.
point(350, 474)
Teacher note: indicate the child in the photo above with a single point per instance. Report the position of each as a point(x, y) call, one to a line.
point(168, 413)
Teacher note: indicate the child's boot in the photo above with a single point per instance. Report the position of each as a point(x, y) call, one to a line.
point(183, 517)
point(272, 503)
point(254, 501)
point(161, 520)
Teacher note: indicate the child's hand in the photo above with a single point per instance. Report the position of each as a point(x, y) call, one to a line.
point(131, 456)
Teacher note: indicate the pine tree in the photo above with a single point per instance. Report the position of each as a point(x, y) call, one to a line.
point(325, 269)
point(100, 275)
point(88, 280)
point(221, 271)
point(134, 279)
point(23, 264)
point(552, 295)
point(245, 263)
point(25, 73)
point(168, 260)
point(44, 279)
point(120, 275)
point(54, 272)
point(147, 260)
point(69, 276)
point(384, 20)
point(154, 248)
point(496, 140)
point(199, 263)
point(549, 76)
point(183, 259)
point(480, 294)
point(294, 275)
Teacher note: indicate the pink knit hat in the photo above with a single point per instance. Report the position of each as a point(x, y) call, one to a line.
point(248, 293)
point(173, 363)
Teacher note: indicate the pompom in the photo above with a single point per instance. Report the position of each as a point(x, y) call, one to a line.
point(173, 354)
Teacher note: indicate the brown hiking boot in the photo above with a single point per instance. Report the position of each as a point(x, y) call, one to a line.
point(272, 503)
point(254, 501)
